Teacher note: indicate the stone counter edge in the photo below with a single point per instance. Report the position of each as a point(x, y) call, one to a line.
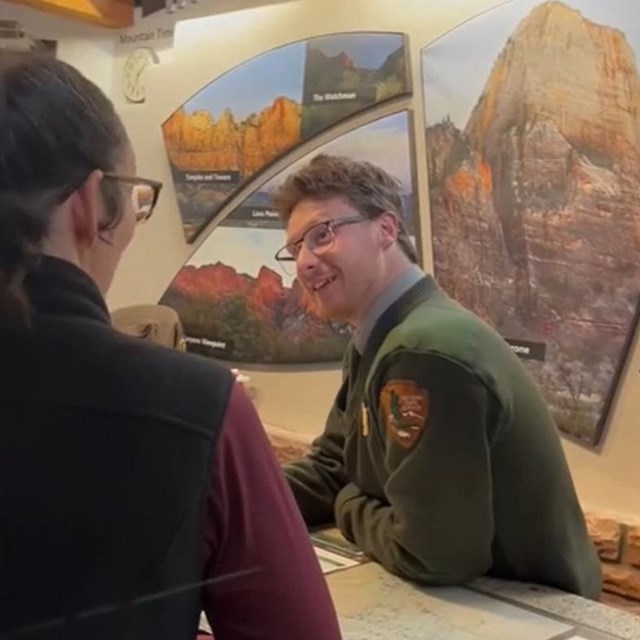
point(579, 611)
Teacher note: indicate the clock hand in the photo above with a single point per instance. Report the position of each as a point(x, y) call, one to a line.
point(139, 74)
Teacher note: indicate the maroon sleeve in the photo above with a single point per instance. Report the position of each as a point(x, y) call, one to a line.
point(252, 522)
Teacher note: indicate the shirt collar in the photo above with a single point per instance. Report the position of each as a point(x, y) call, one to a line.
point(387, 297)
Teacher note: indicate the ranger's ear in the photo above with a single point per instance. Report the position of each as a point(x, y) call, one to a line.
point(389, 228)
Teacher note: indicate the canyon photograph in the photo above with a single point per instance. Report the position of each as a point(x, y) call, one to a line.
point(236, 302)
point(237, 125)
point(231, 129)
point(533, 146)
point(347, 73)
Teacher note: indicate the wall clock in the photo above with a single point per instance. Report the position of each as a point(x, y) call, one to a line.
point(133, 73)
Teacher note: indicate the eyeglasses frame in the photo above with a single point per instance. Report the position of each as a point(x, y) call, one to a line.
point(133, 180)
point(332, 224)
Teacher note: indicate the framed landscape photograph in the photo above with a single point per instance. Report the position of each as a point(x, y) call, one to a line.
point(235, 301)
point(533, 149)
point(237, 125)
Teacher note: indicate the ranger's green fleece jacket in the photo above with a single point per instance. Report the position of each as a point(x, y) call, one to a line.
point(440, 460)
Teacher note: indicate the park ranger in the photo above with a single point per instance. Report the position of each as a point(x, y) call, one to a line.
point(439, 458)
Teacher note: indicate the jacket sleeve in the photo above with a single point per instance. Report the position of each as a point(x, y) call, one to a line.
point(252, 524)
point(316, 480)
point(433, 419)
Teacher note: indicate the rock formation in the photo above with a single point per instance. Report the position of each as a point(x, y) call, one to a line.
point(327, 75)
point(199, 142)
point(534, 203)
point(561, 68)
point(339, 73)
point(217, 302)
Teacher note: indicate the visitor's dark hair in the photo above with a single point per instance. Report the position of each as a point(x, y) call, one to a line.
point(56, 127)
point(365, 186)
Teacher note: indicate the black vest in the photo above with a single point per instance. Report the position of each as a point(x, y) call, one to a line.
point(106, 445)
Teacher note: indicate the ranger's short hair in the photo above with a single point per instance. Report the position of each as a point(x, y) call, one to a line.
point(366, 187)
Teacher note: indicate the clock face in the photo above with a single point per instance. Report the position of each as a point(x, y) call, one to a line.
point(134, 71)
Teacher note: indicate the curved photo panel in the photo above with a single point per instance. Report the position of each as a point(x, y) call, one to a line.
point(235, 301)
point(241, 122)
point(534, 173)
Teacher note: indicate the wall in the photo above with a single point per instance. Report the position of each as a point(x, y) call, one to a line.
point(88, 48)
point(206, 48)
point(607, 480)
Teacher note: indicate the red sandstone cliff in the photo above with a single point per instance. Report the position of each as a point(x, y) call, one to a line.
point(211, 282)
point(259, 314)
point(199, 142)
point(534, 203)
point(561, 68)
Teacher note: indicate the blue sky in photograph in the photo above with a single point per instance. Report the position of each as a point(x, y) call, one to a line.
point(456, 66)
point(255, 84)
point(368, 51)
point(245, 249)
point(384, 142)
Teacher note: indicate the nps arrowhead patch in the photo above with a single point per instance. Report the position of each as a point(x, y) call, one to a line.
point(405, 409)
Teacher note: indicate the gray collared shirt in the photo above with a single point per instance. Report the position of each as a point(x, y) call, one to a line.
point(389, 295)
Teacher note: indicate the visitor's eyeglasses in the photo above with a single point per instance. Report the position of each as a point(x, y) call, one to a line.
point(318, 239)
point(144, 194)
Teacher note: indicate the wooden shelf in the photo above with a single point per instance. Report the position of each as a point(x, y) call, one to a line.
point(113, 14)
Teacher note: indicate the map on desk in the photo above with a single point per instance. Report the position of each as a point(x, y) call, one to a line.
point(375, 605)
point(334, 552)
